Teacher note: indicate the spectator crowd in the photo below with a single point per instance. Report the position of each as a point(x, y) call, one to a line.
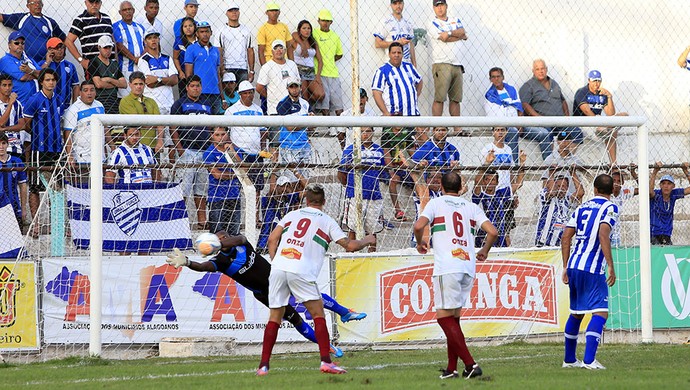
point(213, 70)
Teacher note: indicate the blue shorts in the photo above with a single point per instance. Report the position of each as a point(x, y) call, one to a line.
point(589, 292)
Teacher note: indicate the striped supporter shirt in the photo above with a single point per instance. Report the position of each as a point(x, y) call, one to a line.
point(45, 113)
point(398, 87)
point(89, 29)
point(139, 155)
point(130, 36)
point(15, 138)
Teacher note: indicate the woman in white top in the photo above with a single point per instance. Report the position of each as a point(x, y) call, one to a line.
point(305, 50)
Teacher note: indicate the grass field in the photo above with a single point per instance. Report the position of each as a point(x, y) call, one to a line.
point(515, 366)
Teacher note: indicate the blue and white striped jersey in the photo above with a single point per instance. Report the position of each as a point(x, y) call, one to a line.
point(398, 87)
point(132, 37)
point(586, 254)
point(15, 138)
point(138, 155)
point(553, 216)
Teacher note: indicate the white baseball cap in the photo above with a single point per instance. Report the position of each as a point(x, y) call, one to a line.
point(277, 42)
point(245, 86)
point(229, 78)
point(105, 41)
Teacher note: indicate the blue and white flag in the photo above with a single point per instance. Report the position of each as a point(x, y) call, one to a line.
point(12, 241)
point(142, 217)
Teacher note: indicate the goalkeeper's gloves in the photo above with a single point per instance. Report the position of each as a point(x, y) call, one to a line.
point(177, 259)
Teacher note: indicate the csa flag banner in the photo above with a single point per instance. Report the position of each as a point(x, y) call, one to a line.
point(142, 217)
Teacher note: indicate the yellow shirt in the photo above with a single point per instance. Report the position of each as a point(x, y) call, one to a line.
point(269, 33)
point(131, 105)
point(330, 46)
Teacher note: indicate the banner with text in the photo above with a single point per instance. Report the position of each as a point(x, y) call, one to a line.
point(18, 310)
point(514, 292)
point(144, 300)
point(670, 288)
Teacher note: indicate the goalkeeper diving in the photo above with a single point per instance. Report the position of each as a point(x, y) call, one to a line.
point(238, 260)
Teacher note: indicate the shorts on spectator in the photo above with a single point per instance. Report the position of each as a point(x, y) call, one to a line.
point(451, 290)
point(333, 95)
point(225, 215)
point(193, 181)
point(296, 156)
point(447, 82)
point(42, 160)
point(282, 284)
point(371, 211)
point(306, 72)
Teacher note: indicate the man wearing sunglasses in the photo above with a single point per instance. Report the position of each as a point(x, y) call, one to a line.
point(33, 24)
point(21, 68)
point(89, 27)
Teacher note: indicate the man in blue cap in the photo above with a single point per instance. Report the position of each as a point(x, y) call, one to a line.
point(20, 67)
point(591, 100)
point(662, 202)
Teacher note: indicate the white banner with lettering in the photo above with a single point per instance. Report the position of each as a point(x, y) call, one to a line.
point(144, 300)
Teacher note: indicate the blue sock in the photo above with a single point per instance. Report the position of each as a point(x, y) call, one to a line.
point(331, 304)
point(305, 330)
point(594, 331)
point(572, 328)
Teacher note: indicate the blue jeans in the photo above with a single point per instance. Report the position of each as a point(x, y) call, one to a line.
point(542, 135)
point(225, 215)
point(512, 140)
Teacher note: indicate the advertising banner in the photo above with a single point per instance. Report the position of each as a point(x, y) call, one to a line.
point(514, 292)
point(144, 300)
point(18, 309)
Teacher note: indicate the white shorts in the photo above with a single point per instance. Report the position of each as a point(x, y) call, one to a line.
point(371, 212)
point(193, 181)
point(333, 95)
point(282, 284)
point(452, 290)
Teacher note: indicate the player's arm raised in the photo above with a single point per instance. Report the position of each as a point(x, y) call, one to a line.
point(355, 245)
point(605, 242)
point(566, 241)
point(491, 237)
point(422, 246)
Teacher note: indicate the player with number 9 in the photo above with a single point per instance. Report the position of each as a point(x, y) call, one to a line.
point(454, 222)
point(297, 246)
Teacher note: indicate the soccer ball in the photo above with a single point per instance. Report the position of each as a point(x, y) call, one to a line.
point(207, 244)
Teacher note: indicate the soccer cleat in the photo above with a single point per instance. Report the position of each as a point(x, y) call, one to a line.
point(352, 316)
point(335, 351)
point(576, 364)
point(331, 368)
point(262, 371)
point(445, 374)
point(595, 365)
point(473, 372)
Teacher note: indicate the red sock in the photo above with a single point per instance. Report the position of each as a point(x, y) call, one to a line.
point(323, 339)
point(270, 336)
point(456, 339)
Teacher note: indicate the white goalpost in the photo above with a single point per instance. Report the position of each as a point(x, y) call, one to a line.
point(101, 122)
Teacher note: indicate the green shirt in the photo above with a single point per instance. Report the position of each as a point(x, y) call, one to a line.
point(130, 104)
point(330, 46)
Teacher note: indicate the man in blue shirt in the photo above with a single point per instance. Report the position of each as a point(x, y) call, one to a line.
point(43, 113)
point(12, 118)
point(662, 202)
point(203, 59)
point(372, 156)
point(437, 152)
point(397, 85)
point(584, 271)
point(68, 80)
point(190, 143)
point(224, 189)
point(294, 141)
point(21, 68)
point(34, 25)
